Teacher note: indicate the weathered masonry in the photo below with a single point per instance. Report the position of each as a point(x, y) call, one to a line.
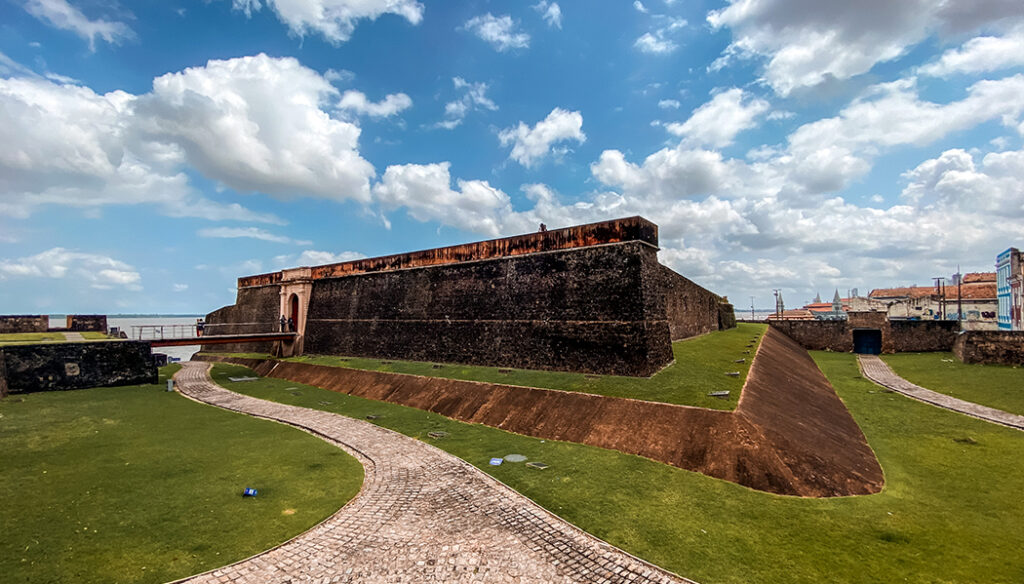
point(60, 366)
point(590, 298)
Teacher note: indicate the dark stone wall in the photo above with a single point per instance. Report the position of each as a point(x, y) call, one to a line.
point(87, 323)
point(897, 335)
point(990, 347)
point(923, 335)
point(256, 310)
point(59, 366)
point(692, 310)
point(33, 323)
point(817, 335)
point(594, 309)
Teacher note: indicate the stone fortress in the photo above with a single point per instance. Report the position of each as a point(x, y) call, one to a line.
point(589, 298)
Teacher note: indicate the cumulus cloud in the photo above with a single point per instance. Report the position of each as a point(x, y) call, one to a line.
point(500, 31)
point(313, 257)
point(258, 124)
point(529, 145)
point(669, 104)
point(717, 122)
point(97, 271)
point(62, 15)
point(955, 181)
point(357, 102)
point(980, 55)
point(335, 20)
point(252, 124)
point(805, 44)
point(248, 232)
point(425, 192)
point(550, 12)
point(474, 97)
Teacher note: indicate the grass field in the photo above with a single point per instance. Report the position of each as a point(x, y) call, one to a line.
point(700, 368)
point(996, 386)
point(134, 484)
point(54, 337)
point(19, 338)
point(950, 511)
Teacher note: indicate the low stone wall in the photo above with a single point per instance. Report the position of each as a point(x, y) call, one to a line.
point(59, 366)
point(990, 347)
point(897, 335)
point(30, 323)
point(790, 434)
point(81, 323)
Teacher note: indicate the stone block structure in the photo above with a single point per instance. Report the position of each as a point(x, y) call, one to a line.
point(590, 298)
point(33, 323)
point(991, 347)
point(87, 323)
point(59, 366)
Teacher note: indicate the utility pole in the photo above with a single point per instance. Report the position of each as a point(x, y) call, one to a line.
point(778, 303)
point(751, 308)
point(940, 290)
point(959, 298)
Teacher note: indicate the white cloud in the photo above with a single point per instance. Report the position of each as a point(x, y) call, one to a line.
point(658, 42)
point(532, 144)
point(62, 15)
point(474, 97)
point(98, 271)
point(248, 232)
point(717, 122)
point(252, 124)
point(339, 75)
point(550, 12)
point(258, 124)
point(980, 55)
point(954, 181)
point(500, 31)
point(179, 287)
point(312, 257)
point(640, 6)
point(335, 20)
point(669, 104)
point(806, 44)
point(356, 102)
point(425, 191)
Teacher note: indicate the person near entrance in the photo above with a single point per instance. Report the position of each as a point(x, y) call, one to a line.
point(283, 324)
point(291, 325)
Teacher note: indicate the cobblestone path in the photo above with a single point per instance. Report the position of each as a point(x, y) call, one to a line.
point(876, 370)
point(422, 516)
point(73, 337)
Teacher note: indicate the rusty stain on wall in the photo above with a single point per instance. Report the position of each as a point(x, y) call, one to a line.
point(614, 231)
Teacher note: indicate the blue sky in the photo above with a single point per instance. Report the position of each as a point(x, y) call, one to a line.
point(151, 153)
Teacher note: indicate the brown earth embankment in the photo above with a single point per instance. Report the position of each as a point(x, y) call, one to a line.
point(790, 434)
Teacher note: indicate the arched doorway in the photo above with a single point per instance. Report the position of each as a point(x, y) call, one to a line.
point(293, 311)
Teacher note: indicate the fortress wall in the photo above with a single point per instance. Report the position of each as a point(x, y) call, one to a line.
point(991, 347)
point(256, 310)
point(60, 366)
point(591, 309)
point(692, 310)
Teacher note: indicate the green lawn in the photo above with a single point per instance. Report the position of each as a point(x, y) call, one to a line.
point(95, 336)
point(950, 511)
point(700, 368)
point(996, 386)
point(134, 484)
point(19, 338)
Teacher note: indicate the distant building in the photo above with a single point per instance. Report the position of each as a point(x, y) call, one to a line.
point(1010, 289)
point(979, 302)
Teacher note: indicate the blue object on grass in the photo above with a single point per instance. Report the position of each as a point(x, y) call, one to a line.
point(496, 461)
point(249, 492)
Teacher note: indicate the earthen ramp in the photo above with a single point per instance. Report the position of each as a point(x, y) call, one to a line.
point(790, 434)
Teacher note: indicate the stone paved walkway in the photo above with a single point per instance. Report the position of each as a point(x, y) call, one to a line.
point(73, 337)
point(876, 370)
point(422, 516)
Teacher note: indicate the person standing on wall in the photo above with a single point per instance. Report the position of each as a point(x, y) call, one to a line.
point(291, 325)
point(283, 324)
